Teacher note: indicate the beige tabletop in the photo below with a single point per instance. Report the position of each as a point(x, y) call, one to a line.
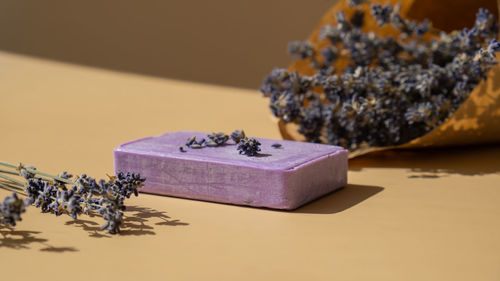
point(405, 215)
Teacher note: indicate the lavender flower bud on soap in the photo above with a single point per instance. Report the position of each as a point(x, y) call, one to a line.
point(284, 178)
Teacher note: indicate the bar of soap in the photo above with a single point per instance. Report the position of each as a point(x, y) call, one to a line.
point(278, 178)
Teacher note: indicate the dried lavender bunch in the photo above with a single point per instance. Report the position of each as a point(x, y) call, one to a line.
point(392, 90)
point(60, 195)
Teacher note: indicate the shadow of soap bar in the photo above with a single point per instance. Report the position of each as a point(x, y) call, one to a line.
point(278, 178)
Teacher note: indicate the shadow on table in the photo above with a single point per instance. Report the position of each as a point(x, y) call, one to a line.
point(23, 239)
point(340, 200)
point(137, 222)
point(434, 162)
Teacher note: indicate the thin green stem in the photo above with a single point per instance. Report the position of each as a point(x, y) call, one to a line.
point(12, 188)
point(37, 172)
point(13, 184)
point(12, 179)
point(46, 178)
point(9, 172)
point(50, 176)
point(8, 165)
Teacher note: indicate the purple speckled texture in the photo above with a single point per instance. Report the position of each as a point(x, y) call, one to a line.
point(283, 178)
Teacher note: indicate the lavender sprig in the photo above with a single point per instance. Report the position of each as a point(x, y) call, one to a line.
point(60, 195)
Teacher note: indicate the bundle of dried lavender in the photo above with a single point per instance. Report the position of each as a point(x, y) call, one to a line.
point(60, 195)
point(392, 90)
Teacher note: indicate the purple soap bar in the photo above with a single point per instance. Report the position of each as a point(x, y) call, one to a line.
point(279, 178)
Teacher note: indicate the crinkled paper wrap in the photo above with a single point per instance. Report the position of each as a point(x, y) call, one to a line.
point(476, 121)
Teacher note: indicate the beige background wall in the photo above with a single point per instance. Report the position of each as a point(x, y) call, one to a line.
point(219, 41)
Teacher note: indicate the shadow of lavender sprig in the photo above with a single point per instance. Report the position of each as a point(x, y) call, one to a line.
point(91, 227)
point(145, 213)
point(23, 239)
point(137, 222)
point(53, 249)
point(18, 239)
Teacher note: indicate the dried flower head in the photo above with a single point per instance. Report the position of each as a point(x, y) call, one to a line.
point(249, 146)
point(11, 209)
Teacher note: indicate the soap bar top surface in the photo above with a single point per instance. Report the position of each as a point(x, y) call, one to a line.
point(291, 153)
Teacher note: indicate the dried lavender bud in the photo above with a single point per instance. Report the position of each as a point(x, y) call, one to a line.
point(272, 82)
point(485, 23)
point(330, 54)
point(65, 175)
point(311, 121)
point(73, 207)
point(127, 183)
point(217, 139)
point(113, 221)
point(237, 135)
point(493, 46)
point(422, 28)
point(32, 189)
point(342, 23)
point(249, 146)
point(190, 141)
point(24, 173)
point(211, 143)
point(399, 23)
point(181, 149)
point(331, 33)
point(301, 50)
point(382, 13)
point(11, 209)
point(276, 145)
